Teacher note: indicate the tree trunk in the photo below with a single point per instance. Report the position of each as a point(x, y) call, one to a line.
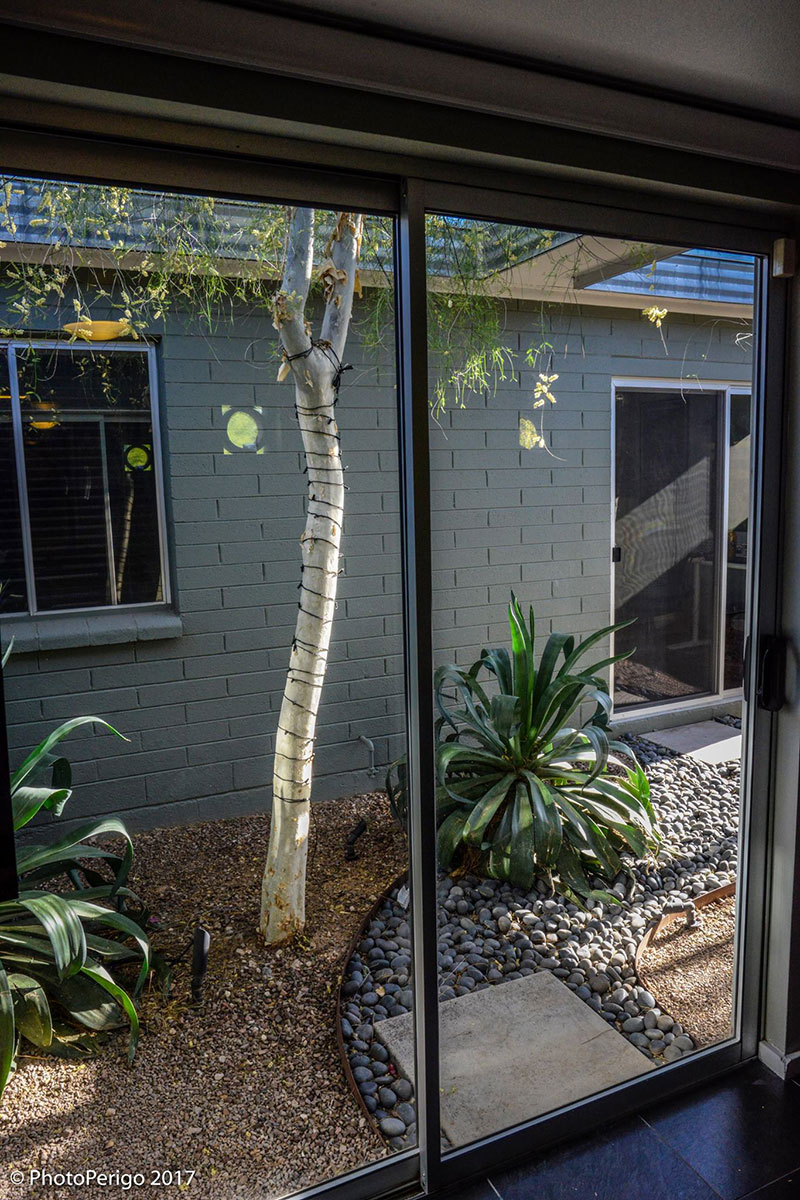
point(315, 369)
point(283, 889)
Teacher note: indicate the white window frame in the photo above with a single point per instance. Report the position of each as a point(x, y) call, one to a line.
point(728, 388)
point(10, 347)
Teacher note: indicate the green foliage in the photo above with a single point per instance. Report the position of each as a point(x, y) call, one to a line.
point(468, 264)
point(74, 251)
point(521, 788)
point(137, 254)
point(60, 950)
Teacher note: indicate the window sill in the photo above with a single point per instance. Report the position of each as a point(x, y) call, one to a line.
point(62, 631)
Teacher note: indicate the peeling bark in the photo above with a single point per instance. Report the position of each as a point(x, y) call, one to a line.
point(314, 367)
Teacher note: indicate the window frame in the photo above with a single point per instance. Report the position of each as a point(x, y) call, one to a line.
point(9, 347)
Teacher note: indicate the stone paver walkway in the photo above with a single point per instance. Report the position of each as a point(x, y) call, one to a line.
point(511, 1053)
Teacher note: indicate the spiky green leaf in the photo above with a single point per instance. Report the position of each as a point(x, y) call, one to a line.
point(31, 1009)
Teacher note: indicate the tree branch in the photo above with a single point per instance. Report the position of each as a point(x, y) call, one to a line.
point(338, 278)
point(289, 305)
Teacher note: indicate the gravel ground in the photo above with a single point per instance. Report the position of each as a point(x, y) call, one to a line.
point(248, 1090)
point(491, 932)
point(691, 972)
point(224, 1090)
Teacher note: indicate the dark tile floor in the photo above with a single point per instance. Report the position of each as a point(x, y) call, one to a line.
point(735, 1138)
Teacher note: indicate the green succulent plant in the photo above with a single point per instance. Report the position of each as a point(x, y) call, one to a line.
point(59, 949)
point(519, 783)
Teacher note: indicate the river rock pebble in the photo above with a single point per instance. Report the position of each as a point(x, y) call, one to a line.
point(490, 932)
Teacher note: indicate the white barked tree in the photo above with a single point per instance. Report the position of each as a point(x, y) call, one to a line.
point(315, 365)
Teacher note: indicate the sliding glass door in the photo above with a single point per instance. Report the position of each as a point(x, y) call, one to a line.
point(666, 540)
point(350, 602)
point(572, 861)
point(201, 549)
point(681, 500)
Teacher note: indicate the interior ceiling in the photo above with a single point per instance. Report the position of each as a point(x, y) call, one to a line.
point(727, 51)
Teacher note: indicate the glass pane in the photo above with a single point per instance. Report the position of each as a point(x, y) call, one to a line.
point(666, 580)
point(67, 507)
point(76, 381)
point(261, 733)
point(91, 476)
point(131, 469)
point(13, 589)
point(739, 450)
point(578, 450)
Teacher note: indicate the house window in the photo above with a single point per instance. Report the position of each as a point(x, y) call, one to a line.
point(81, 516)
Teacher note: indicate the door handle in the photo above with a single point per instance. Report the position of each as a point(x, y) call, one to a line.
point(616, 554)
point(746, 670)
point(771, 689)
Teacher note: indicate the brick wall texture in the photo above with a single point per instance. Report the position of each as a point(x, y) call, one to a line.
point(200, 711)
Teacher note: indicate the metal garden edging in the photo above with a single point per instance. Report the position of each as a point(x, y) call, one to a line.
point(351, 949)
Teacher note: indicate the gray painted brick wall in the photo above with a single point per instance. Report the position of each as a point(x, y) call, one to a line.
point(200, 710)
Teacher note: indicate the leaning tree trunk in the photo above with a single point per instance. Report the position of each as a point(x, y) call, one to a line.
point(315, 368)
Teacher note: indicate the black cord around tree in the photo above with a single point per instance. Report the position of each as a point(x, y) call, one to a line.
point(327, 349)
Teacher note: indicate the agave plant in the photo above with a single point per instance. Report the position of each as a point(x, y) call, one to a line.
point(58, 948)
point(523, 786)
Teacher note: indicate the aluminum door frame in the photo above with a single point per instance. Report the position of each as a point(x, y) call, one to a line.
point(768, 397)
point(534, 203)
